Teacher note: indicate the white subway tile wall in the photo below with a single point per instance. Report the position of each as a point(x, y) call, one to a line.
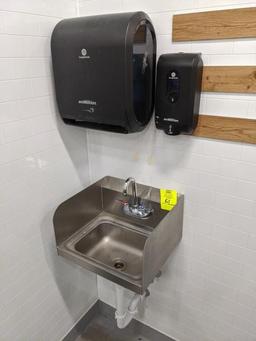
point(42, 162)
point(207, 291)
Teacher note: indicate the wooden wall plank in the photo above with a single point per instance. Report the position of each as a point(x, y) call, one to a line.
point(225, 24)
point(234, 79)
point(226, 128)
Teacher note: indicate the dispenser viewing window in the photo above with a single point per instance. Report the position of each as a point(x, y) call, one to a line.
point(104, 71)
point(179, 78)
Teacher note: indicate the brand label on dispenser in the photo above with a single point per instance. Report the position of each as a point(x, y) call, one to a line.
point(87, 101)
point(88, 105)
point(83, 54)
point(168, 199)
point(170, 119)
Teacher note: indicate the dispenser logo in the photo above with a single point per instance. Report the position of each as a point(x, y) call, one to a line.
point(90, 110)
point(87, 101)
point(170, 119)
point(84, 54)
point(90, 105)
point(173, 75)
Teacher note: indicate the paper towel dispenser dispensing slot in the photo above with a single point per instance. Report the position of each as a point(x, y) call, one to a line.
point(104, 71)
point(178, 89)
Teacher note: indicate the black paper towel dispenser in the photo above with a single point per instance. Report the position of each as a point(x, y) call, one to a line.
point(179, 78)
point(104, 71)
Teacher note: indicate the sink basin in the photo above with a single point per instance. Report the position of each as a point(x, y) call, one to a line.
point(93, 230)
point(112, 244)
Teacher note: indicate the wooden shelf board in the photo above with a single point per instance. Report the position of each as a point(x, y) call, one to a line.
point(226, 128)
point(233, 79)
point(224, 24)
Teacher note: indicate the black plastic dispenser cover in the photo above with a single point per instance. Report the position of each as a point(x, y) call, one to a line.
point(104, 71)
point(178, 90)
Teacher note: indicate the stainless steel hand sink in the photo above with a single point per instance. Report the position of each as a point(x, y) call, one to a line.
point(113, 244)
point(92, 229)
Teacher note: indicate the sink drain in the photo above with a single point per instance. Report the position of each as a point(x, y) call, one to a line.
point(119, 264)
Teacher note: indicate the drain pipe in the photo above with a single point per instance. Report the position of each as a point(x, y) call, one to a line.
point(123, 315)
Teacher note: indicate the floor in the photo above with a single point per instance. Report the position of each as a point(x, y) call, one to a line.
point(102, 327)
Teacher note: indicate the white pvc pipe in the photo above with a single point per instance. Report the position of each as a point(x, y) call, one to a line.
point(120, 304)
point(123, 315)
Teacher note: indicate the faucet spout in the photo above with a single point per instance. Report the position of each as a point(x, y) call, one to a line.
point(136, 206)
point(130, 180)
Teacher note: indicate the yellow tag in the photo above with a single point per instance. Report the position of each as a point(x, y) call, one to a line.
point(168, 199)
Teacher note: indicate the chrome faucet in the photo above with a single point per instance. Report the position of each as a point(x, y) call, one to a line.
point(135, 199)
point(135, 206)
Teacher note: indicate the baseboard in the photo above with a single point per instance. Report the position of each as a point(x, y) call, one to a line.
point(103, 309)
point(83, 322)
